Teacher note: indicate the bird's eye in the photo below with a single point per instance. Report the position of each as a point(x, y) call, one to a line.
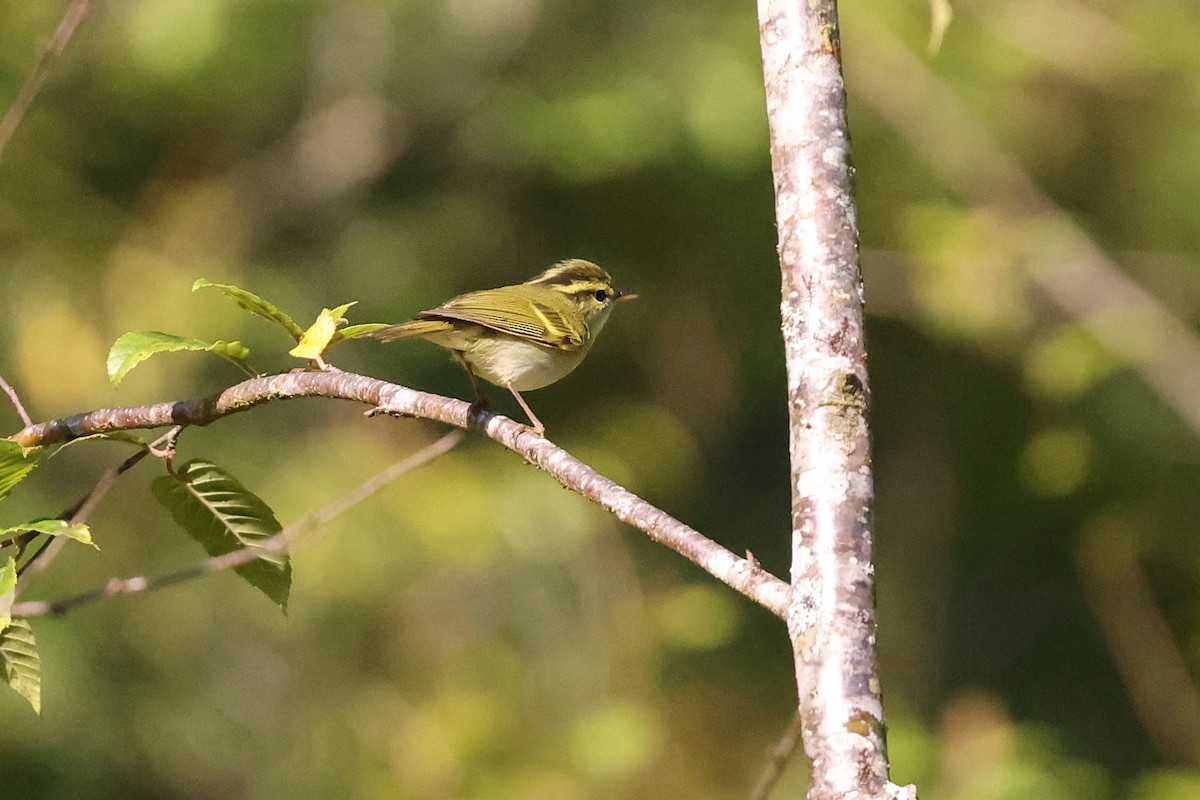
point(601, 295)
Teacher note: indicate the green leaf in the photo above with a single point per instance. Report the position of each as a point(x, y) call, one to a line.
point(52, 527)
point(355, 331)
point(223, 516)
point(254, 304)
point(22, 664)
point(16, 462)
point(8, 592)
point(136, 346)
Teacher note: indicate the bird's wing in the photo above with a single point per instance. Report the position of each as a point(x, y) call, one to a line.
point(520, 311)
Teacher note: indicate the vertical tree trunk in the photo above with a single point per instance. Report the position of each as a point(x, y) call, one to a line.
point(831, 616)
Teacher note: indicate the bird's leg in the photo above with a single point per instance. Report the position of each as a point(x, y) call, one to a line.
point(538, 427)
point(480, 403)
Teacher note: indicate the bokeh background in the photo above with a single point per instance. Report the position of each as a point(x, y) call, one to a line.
point(1029, 197)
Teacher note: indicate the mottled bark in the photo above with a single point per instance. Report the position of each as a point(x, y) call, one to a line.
point(831, 615)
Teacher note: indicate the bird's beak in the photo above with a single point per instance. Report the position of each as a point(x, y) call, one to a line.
point(624, 296)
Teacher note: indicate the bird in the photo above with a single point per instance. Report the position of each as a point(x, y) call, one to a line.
point(521, 337)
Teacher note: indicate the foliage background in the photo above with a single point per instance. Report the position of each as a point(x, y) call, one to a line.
point(477, 632)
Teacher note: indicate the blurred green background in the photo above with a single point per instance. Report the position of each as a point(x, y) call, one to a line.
point(474, 631)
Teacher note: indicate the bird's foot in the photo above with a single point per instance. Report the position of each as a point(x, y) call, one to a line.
point(477, 413)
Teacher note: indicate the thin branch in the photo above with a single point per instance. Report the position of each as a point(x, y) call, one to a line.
point(1144, 648)
point(746, 577)
point(781, 754)
point(1062, 261)
point(16, 401)
point(282, 542)
point(79, 513)
point(33, 83)
point(441, 446)
point(831, 614)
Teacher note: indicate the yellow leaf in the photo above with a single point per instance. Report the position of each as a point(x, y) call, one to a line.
point(940, 14)
point(316, 338)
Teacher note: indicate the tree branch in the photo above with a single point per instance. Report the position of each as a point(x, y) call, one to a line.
point(16, 401)
point(33, 83)
point(78, 513)
point(831, 616)
point(1062, 260)
point(1155, 671)
point(745, 576)
point(279, 543)
point(781, 754)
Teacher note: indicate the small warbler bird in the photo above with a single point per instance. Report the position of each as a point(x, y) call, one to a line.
point(521, 337)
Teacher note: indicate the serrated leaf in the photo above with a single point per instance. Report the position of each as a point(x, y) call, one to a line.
point(355, 331)
point(255, 305)
point(16, 462)
point(135, 347)
point(52, 527)
point(8, 591)
point(22, 664)
point(223, 516)
point(320, 333)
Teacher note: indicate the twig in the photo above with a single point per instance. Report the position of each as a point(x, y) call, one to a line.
point(372, 485)
point(1063, 261)
point(16, 401)
point(279, 543)
point(1145, 650)
point(738, 573)
point(781, 754)
point(33, 83)
point(78, 513)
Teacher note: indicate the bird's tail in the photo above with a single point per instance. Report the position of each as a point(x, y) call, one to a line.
point(420, 328)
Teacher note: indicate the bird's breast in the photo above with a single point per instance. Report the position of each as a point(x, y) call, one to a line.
point(507, 361)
